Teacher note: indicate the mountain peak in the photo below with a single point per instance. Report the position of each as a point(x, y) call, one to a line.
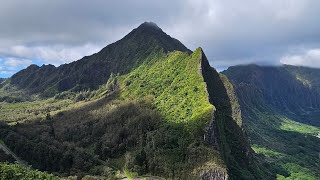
point(151, 33)
point(33, 67)
point(119, 57)
point(150, 25)
point(149, 28)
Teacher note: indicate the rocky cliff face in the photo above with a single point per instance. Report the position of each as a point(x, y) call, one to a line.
point(225, 132)
point(288, 90)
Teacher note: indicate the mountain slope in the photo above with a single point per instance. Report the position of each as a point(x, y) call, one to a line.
point(161, 112)
point(280, 108)
point(154, 110)
point(92, 71)
point(163, 124)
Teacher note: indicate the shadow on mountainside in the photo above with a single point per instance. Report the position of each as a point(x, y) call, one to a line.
point(264, 130)
point(268, 96)
point(231, 139)
point(107, 135)
point(83, 140)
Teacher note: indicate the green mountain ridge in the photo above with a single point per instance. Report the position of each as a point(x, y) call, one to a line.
point(153, 108)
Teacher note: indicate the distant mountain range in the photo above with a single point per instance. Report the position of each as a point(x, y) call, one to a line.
point(281, 112)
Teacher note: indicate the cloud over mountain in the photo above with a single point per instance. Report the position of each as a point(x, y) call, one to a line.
point(309, 57)
point(231, 32)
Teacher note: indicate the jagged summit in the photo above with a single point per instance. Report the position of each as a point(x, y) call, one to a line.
point(33, 66)
point(151, 32)
point(146, 28)
point(150, 25)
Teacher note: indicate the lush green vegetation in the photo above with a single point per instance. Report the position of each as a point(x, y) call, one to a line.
point(281, 117)
point(140, 123)
point(29, 111)
point(39, 109)
point(11, 94)
point(176, 83)
point(296, 172)
point(290, 125)
point(285, 148)
point(265, 151)
point(15, 171)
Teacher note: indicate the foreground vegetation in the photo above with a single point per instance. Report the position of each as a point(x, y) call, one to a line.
point(15, 171)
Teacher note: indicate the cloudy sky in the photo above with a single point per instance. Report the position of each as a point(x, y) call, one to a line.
point(267, 32)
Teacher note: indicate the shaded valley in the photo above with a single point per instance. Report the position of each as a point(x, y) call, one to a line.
point(280, 109)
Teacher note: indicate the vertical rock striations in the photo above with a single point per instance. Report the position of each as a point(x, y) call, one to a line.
point(225, 131)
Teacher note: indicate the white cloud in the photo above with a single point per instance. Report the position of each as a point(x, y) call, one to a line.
point(12, 63)
point(309, 58)
point(19, 57)
point(256, 31)
point(55, 55)
point(6, 72)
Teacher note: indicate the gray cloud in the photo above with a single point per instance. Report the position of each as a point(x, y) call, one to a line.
point(230, 31)
point(309, 57)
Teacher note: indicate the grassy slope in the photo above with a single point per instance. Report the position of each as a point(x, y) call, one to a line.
point(179, 92)
point(29, 111)
point(177, 85)
point(290, 147)
point(293, 126)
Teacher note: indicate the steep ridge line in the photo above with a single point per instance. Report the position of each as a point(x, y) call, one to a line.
point(225, 130)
